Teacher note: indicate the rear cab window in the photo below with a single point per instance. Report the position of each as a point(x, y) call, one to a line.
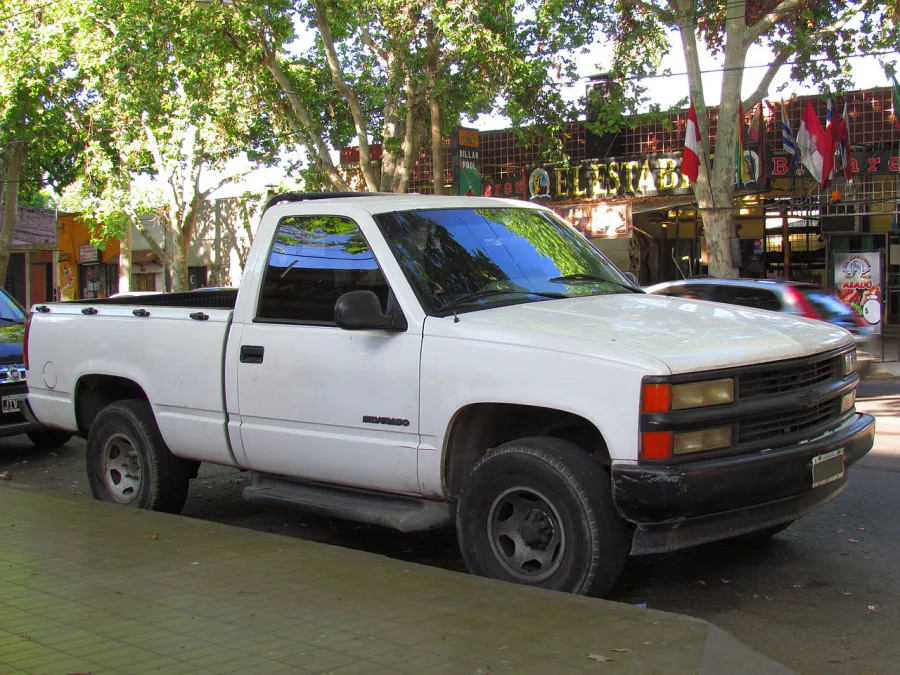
point(755, 298)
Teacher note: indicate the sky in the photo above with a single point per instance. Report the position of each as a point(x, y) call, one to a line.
point(867, 72)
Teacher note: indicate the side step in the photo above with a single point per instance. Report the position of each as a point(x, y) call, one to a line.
point(406, 514)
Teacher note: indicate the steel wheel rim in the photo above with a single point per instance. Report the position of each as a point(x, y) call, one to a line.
point(526, 534)
point(122, 468)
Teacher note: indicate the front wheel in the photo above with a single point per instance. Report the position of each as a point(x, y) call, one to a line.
point(49, 438)
point(128, 462)
point(539, 511)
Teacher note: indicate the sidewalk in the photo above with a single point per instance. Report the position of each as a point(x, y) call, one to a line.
point(87, 587)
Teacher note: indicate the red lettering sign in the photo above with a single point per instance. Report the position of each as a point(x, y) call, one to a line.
point(854, 165)
point(507, 189)
point(894, 164)
point(873, 163)
point(487, 191)
point(520, 187)
point(779, 166)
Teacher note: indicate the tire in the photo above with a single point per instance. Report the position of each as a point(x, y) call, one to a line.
point(761, 535)
point(128, 462)
point(569, 533)
point(50, 438)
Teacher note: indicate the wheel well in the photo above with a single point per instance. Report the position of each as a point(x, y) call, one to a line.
point(479, 427)
point(94, 392)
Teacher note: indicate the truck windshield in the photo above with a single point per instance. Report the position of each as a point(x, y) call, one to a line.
point(469, 259)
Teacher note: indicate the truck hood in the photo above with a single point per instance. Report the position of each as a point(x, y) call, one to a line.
point(686, 335)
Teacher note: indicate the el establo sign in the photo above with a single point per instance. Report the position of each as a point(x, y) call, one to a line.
point(613, 177)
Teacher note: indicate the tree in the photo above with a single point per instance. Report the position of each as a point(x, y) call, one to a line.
point(812, 37)
point(393, 72)
point(39, 105)
point(171, 104)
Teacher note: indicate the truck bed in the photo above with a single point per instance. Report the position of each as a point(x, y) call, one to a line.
point(171, 345)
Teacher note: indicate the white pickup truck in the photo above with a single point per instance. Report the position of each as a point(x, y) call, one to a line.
point(418, 362)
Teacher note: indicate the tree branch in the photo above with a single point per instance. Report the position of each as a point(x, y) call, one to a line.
point(765, 24)
point(337, 76)
point(763, 89)
point(667, 16)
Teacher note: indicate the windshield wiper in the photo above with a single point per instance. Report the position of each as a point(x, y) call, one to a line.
point(592, 277)
point(468, 298)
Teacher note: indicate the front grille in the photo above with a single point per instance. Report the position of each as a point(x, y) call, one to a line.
point(787, 377)
point(12, 372)
point(775, 425)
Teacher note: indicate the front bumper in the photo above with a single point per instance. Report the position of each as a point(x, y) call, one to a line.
point(21, 421)
point(691, 503)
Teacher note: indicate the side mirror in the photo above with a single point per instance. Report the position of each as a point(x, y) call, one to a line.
point(630, 276)
point(361, 310)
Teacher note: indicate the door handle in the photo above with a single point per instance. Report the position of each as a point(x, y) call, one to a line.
point(252, 354)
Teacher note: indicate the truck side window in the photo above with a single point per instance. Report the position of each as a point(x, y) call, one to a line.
point(315, 260)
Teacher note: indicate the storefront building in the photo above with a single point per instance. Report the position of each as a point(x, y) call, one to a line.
point(626, 192)
point(30, 275)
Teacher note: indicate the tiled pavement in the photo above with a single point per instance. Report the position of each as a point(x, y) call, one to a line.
point(90, 588)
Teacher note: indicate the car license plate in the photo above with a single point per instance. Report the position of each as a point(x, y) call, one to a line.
point(10, 404)
point(828, 467)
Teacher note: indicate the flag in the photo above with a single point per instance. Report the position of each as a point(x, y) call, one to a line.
point(816, 150)
point(787, 137)
point(832, 132)
point(690, 161)
point(844, 144)
point(756, 122)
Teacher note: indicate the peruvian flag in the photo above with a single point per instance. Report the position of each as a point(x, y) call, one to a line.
point(690, 161)
point(815, 145)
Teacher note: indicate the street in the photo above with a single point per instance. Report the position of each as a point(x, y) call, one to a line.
point(819, 597)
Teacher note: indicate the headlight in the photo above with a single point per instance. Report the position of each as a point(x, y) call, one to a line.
point(848, 401)
point(698, 441)
point(848, 363)
point(702, 394)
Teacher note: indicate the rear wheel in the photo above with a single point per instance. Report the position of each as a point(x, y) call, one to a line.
point(50, 438)
point(128, 462)
point(539, 511)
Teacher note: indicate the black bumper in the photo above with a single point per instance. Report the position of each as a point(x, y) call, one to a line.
point(678, 506)
point(20, 422)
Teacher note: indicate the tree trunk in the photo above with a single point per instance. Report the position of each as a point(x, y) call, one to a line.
point(125, 260)
point(434, 106)
point(437, 146)
point(179, 263)
point(14, 157)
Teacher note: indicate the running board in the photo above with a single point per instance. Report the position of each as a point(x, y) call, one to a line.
point(406, 514)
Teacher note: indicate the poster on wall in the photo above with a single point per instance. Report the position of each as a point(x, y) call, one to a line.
point(857, 283)
point(611, 220)
point(66, 281)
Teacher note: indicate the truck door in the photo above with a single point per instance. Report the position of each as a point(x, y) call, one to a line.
point(318, 402)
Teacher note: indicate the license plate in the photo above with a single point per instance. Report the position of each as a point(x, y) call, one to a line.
point(828, 467)
point(10, 404)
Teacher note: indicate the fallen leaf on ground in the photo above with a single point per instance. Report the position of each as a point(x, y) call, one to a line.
point(599, 657)
point(154, 536)
point(847, 593)
point(853, 541)
point(796, 586)
point(699, 582)
point(5, 476)
point(861, 529)
point(872, 608)
point(621, 651)
point(835, 661)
